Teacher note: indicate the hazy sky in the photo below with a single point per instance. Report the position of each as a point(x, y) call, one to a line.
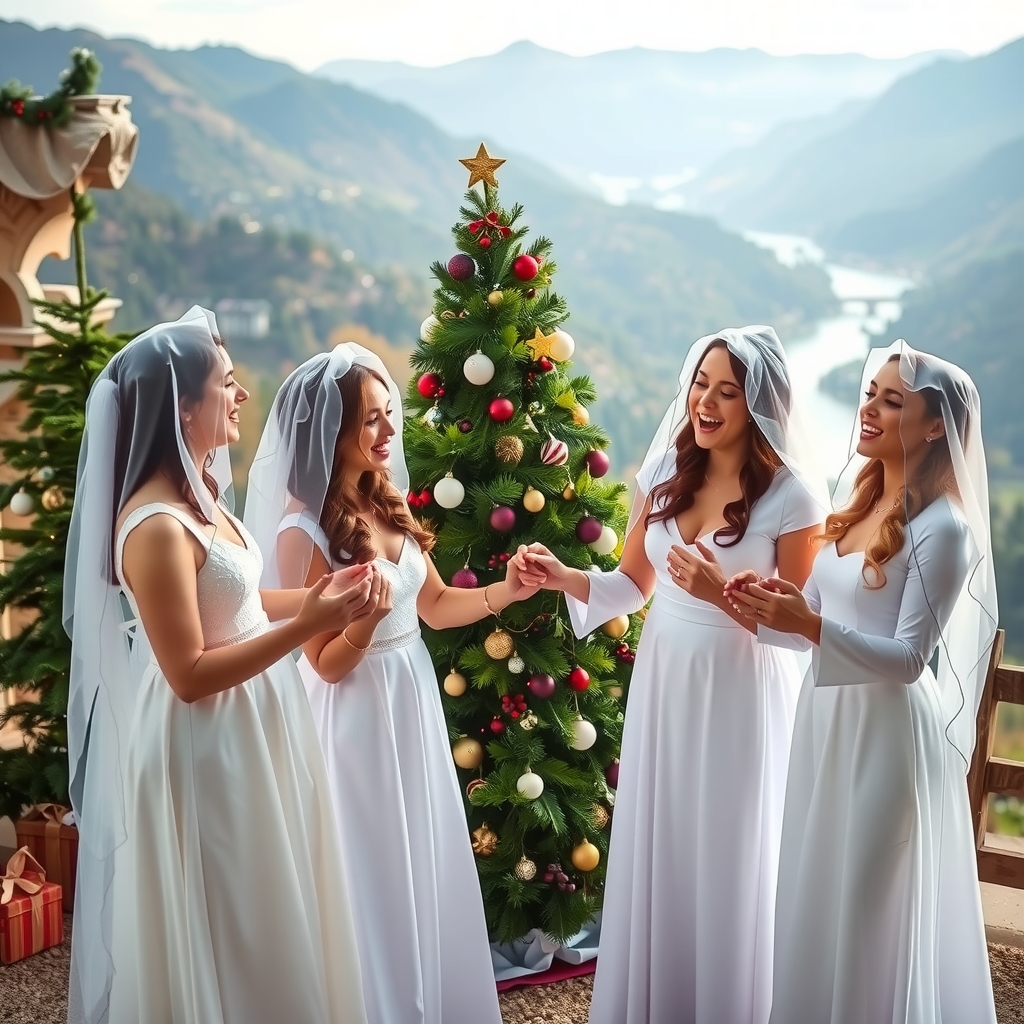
point(310, 32)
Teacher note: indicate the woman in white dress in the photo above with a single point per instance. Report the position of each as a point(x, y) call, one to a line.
point(686, 930)
point(211, 888)
point(879, 911)
point(327, 482)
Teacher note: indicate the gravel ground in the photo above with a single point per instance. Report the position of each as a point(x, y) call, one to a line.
point(33, 991)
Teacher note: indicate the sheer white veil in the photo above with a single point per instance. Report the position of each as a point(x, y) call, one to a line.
point(770, 401)
point(966, 640)
point(292, 469)
point(131, 411)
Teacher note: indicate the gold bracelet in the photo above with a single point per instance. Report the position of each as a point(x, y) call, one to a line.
point(355, 647)
point(487, 604)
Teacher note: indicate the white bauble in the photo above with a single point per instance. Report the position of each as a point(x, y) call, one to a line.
point(427, 327)
point(22, 504)
point(530, 785)
point(449, 492)
point(478, 369)
point(584, 735)
point(607, 542)
point(562, 346)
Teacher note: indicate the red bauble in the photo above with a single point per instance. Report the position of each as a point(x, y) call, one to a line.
point(541, 685)
point(525, 267)
point(465, 426)
point(465, 579)
point(588, 529)
point(461, 267)
point(429, 385)
point(501, 410)
point(485, 242)
point(597, 462)
point(545, 364)
point(424, 498)
point(611, 775)
point(503, 519)
point(578, 680)
point(497, 726)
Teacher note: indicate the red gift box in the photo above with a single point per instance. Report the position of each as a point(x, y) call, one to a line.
point(31, 917)
point(54, 845)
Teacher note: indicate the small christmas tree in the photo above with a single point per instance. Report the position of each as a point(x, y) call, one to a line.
point(501, 452)
point(53, 382)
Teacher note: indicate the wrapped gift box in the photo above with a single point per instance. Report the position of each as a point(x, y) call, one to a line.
point(31, 916)
point(53, 844)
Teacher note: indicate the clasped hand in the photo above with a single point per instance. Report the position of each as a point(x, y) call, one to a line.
point(772, 602)
point(348, 595)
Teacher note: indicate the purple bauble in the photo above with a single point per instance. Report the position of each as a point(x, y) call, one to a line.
point(465, 579)
point(611, 775)
point(541, 685)
point(461, 267)
point(588, 529)
point(598, 463)
point(503, 519)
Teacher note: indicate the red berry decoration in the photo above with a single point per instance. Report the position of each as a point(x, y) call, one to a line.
point(503, 519)
point(461, 267)
point(597, 462)
point(465, 579)
point(485, 242)
point(429, 385)
point(18, 106)
point(501, 410)
point(545, 364)
point(424, 498)
point(611, 775)
point(588, 529)
point(579, 679)
point(525, 267)
point(541, 685)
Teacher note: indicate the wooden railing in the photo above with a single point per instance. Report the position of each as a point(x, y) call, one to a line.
point(999, 862)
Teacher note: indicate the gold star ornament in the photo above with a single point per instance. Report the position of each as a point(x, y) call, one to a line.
point(482, 167)
point(540, 344)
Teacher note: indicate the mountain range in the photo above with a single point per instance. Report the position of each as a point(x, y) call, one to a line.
point(228, 134)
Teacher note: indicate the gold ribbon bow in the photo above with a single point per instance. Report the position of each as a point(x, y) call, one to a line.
point(15, 878)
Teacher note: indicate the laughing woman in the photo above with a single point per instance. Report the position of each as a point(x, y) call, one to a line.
point(879, 914)
point(326, 487)
point(686, 935)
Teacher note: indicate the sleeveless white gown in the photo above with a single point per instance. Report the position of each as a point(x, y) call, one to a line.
point(416, 897)
point(879, 911)
point(687, 925)
point(230, 903)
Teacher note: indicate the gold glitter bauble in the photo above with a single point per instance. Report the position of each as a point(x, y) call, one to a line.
point(52, 498)
point(499, 645)
point(601, 816)
point(616, 628)
point(508, 449)
point(467, 753)
point(455, 684)
point(485, 840)
point(529, 721)
point(495, 297)
point(525, 869)
point(533, 500)
point(570, 492)
point(586, 856)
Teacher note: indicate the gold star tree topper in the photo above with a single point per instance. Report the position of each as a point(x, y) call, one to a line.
point(482, 167)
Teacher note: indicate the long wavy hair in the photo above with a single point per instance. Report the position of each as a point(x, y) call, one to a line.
point(934, 477)
point(349, 537)
point(675, 495)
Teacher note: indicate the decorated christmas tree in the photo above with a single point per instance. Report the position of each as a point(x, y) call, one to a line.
point(502, 452)
point(52, 384)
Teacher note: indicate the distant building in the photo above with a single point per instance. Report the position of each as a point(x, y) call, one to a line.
point(243, 318)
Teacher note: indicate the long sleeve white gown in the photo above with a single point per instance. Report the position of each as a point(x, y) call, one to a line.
point(879, 911)
point(687, 925)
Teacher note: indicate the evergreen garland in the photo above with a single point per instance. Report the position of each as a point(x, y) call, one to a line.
point(527, 876)
point(81, 79)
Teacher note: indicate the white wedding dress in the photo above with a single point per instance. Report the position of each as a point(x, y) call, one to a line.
point(230, 903)
point(879, 911)
point(687, 925)
point(416, 898)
